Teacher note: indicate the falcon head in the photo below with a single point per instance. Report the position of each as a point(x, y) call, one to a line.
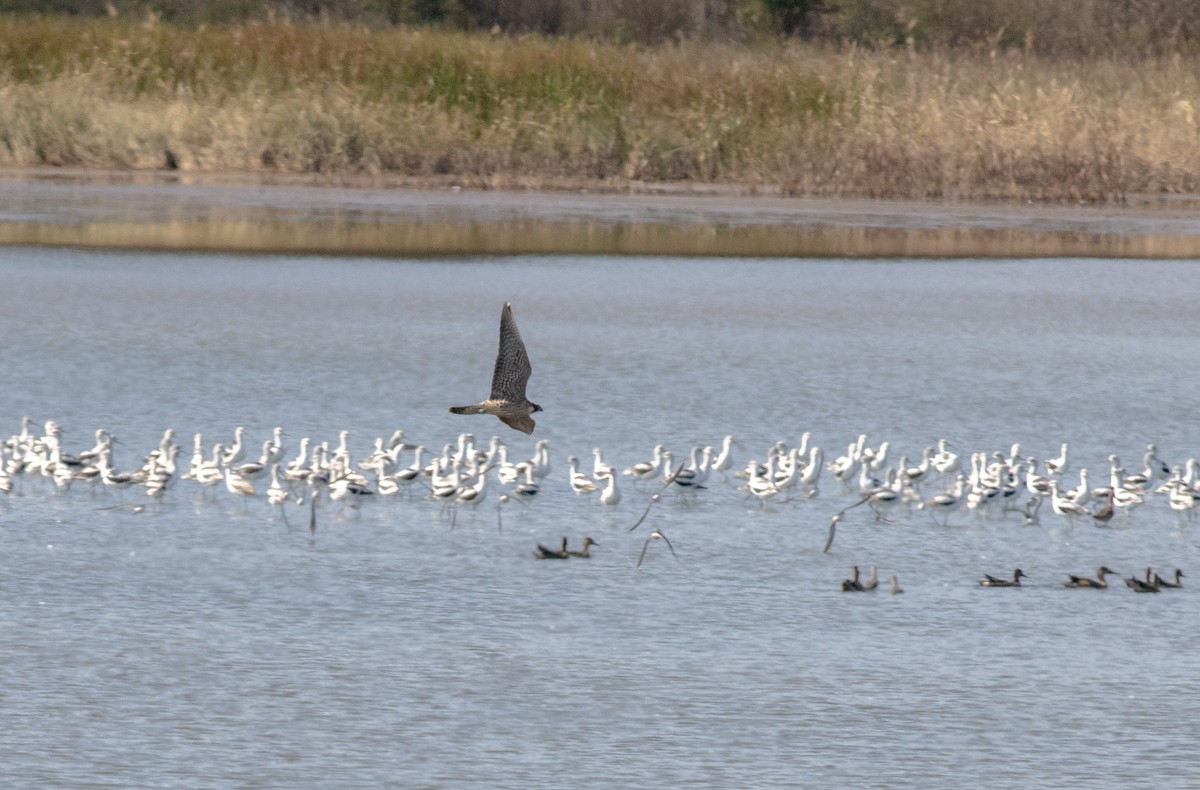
point(535, 407)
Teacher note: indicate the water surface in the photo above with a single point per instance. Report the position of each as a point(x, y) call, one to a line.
point(208, 644)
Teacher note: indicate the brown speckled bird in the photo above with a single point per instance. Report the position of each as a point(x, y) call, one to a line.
point(508, 401)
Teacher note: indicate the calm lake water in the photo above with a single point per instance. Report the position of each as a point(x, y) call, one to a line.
point(206, 643)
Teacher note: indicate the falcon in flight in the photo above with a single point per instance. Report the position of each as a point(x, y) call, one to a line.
point(508, 401)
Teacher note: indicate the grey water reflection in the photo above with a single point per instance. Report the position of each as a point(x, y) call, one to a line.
point(154, 212)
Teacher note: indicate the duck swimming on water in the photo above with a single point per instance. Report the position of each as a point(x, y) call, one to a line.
point(545, 553)
point(1139, 586)
point(1159, 581)
point(872, 581)
point(992, 581)
point(852, 584)
point(583, 553)
point(1099, 583)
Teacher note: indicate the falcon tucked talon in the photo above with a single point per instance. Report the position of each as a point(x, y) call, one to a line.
point(508, 401)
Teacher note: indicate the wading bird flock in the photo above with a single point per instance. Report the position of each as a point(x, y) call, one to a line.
point(987, 486)
point(940, 483)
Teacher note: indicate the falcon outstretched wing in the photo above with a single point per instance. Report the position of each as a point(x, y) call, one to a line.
point(522, 422)
point(512, 362)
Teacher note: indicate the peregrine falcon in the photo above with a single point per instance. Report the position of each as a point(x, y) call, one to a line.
point(508, 401)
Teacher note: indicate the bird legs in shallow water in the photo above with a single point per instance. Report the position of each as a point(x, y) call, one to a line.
point(504, 499)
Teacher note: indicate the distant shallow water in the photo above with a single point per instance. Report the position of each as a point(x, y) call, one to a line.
point(209, 644)
point(168, 213)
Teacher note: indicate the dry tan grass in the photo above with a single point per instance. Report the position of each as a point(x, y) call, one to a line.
point(338, 99)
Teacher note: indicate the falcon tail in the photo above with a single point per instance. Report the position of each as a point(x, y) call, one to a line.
point(466, 410)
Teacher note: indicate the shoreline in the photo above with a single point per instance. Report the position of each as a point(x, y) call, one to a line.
point(269, 213)
point(430, 108)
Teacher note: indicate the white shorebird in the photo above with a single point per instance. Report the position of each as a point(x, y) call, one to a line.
point(647, 470)
point(528, 489)
point(1191, 473)
point(915, 474)
point(274, 448)
point(1058, 466)
point(599, 467)
point(236, 451)
point(758, 486)
point(580, 483)
point(197, 457)
point(1182, 499)
point(945, 462)
point(465, 449)
point(1034, 483)
point(948, 501)
point(253, 470)
point(352, 488)
point(866, 480)
point(886, 497)
point(411, 473)
point(1081, 494)
point(103, 440)
point(845, 467)
point(386, 485)
point(473, 494)
point(164, 447)
point(112, 478)
point(277, 494)
point(1156, 469)
point(210, 472)
point(788, 473)
point(1064, 505)
point(444, 481)
point(610, 495)
point(541, 459)
point(160, 472)
point(301, 459)
point(811, 475)
point(694, 475)
point(506, 471)
point(724, 460)
point(238, 485)
point(877, 458)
